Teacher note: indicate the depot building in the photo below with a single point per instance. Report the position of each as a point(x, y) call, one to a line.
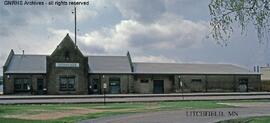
point(68, 71)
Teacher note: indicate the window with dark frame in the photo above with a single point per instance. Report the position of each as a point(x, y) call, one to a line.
point(144, 80)
point(22, 84)
point(114, 81)
point(67, 56)
point(243, 80)
point(67, 83)
point(196, 80)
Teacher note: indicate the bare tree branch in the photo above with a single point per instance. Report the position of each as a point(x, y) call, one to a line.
point(225, 13)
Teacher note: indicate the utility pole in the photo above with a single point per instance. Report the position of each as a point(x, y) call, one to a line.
point(75, 24)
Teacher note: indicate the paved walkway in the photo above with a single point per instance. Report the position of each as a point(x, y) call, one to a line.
point(180, 116)
point(133, 95)
point(129, 98)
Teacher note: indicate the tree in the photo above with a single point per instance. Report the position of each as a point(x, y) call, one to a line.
point(225, 13)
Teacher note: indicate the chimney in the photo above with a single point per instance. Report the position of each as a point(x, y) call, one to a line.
point(254, 69)
point(258, 69)
point(23, 52)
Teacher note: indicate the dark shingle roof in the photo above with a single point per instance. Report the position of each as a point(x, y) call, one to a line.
point(27, 64)
point(109, 64)
point(179, 68)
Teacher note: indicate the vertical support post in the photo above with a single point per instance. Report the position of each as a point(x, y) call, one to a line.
point(128, 84)
point(206, 83)
point(104, 90)
point(235, 83)
point(75, 17)
point(104, 94)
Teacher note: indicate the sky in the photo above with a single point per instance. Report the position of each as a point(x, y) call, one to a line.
point(151, 30)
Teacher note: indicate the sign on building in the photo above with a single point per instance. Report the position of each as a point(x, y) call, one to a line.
point(67, 65)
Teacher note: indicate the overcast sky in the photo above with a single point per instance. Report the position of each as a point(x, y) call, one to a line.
point(152, 30)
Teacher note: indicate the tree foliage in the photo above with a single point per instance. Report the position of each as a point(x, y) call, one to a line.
point(225, 13)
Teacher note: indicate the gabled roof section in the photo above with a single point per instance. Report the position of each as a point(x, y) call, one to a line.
point(27, 64)
point(109, 64)
point(11, 53)
point(178, 68)
point(67, 44)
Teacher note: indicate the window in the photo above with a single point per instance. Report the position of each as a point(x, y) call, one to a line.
point(67, 83)
point(22, 84)
point(144, 80)
point(243, 81)
point(196, 80)
point(67, 56)
point(114, 81)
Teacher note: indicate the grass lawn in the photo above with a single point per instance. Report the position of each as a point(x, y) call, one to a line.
point(69, 113)
point(263, 119)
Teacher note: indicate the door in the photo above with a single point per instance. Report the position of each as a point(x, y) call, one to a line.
point(40, 86)
point(243, 85)
point(196, 85)
point(158, 86)
point(95, 86)
point(114, 84)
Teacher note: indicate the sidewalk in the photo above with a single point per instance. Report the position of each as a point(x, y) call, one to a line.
point(4, 97)
point(119, 98)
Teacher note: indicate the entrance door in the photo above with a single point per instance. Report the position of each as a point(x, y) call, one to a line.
point(158, 86)
point(95, 86)
point(243, 85)
point(40, 86)
point(115, 85)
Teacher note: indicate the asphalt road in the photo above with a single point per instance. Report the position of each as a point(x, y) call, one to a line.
point(180, 116)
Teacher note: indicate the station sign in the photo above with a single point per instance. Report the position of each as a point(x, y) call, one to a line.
point(67, 65)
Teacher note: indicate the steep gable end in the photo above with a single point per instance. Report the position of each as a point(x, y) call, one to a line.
point(67, 50)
